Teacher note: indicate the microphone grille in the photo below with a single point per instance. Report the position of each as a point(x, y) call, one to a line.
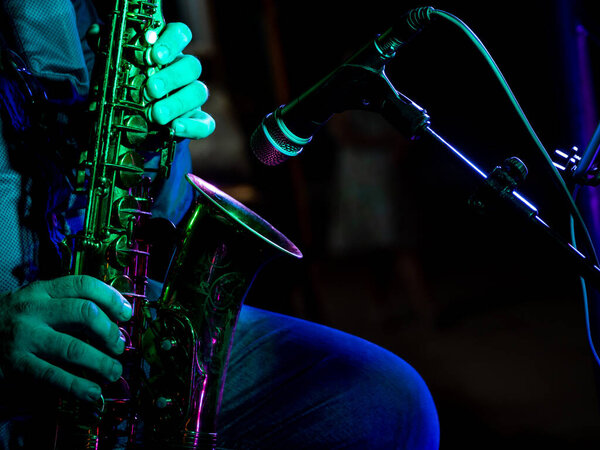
point(270, 144)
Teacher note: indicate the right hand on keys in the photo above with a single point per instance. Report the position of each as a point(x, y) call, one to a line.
point(43, 331)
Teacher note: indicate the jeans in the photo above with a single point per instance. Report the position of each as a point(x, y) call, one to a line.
point(294, 384)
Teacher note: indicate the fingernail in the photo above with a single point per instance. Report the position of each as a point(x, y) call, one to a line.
point(94, 393)
point(161, 114)
point(158, 86)
point(116, 371)
point(127, 310)
point(161, 53)
point(121, 343)
point(179, 128)
point(211, 125)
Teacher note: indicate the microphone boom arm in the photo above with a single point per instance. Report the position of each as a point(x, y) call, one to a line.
point(410, 119)
point(357, 86)
point(496, 189)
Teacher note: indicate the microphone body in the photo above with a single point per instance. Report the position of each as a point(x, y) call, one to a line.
point(359, 83)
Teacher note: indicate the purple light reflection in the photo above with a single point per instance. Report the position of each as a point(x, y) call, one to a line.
point(199, 413)
point(588, 120)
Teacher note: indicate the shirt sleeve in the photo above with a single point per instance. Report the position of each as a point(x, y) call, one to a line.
point(175, 194)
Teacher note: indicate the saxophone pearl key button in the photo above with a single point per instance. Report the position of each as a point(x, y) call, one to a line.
point(151, 37)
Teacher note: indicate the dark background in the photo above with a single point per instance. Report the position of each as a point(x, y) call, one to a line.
point(502, 339)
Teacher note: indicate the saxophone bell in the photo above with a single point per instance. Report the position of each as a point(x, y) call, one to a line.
point(223, 247)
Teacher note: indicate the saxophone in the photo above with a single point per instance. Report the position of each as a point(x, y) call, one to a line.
point(177, 349)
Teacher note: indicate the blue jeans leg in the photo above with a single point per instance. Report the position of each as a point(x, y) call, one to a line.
point(294, 384)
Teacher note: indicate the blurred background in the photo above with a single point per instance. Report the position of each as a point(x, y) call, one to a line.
point(479, 304)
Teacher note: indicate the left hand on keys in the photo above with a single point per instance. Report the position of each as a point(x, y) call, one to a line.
point(179, 78)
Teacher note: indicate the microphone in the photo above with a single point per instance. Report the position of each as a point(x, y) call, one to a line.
point(359, 83)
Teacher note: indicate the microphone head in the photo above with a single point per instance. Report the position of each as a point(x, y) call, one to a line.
point(272, 142)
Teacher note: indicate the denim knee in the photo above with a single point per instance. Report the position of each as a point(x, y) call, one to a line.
point(300, 385)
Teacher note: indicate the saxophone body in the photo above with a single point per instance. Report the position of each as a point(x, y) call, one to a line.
point(112, 177)
point(177, 349)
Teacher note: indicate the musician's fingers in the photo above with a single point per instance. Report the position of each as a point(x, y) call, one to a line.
point(183, 101)
point(196, 125)
point(73, 315)
point(49, 375)
point(174, 38)
point(67, 351)
point(181, 73)
point(90, 288)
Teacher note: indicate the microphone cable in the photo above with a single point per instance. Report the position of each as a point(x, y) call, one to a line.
point(575, 217)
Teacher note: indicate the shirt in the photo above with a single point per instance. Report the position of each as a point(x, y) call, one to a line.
point(49, 39)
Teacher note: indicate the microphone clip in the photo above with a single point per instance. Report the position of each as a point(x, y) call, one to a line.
point(502, 183)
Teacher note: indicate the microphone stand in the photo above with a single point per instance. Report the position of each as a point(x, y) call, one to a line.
point(377, 94)
point(363, 84)
point(500, 186)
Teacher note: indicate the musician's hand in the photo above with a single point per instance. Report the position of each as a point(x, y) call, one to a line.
point(41, 330)
point(179, 78)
